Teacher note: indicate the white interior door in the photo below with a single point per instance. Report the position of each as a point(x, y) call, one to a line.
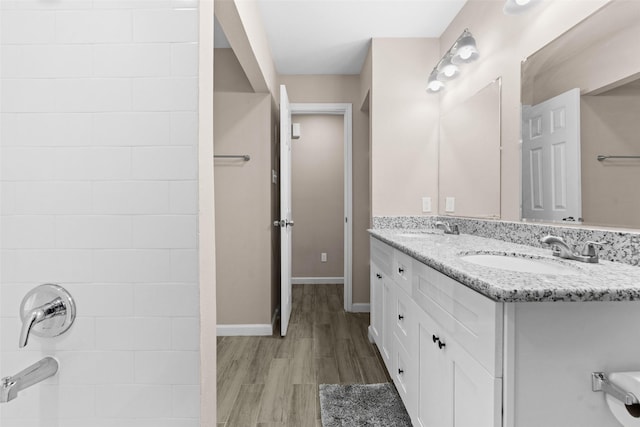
point(551, 180)
point(286, 221)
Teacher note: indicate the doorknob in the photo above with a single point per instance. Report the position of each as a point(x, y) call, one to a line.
point(46, 311)
point(283, 223)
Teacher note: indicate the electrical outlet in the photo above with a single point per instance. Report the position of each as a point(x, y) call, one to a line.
point(450, 204)
point(426, 204)
point(323, 257)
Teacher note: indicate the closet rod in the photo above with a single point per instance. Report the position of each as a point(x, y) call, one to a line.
point(601, 157)
point(244, 157)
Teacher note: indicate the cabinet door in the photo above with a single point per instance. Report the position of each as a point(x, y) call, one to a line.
point(388, 320)
point(435, 378)
point(375, 328)
point(477, 396)
point(404, 377)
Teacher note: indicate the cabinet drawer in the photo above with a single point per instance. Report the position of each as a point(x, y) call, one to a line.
point(405, 377)
point(382, 256)
point(402, 266)
point(470, 318)
point(405, 321)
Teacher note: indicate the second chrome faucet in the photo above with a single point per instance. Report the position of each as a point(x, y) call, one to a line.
point(562, 250)
point(448, 229)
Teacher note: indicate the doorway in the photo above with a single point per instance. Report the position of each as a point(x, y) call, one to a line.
point(344, 110)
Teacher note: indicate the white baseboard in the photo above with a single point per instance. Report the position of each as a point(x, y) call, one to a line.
point(317, 280)
point(360, 307)
point(244, 330)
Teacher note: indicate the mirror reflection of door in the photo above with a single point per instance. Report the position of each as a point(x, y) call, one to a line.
point(593, 56)
point(551, 159)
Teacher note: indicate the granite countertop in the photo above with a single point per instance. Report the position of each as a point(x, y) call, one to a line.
point(603, 281)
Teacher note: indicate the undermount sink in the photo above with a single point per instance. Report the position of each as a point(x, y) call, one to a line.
point(520, 263)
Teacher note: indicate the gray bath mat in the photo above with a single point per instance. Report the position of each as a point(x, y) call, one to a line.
point(362, 405)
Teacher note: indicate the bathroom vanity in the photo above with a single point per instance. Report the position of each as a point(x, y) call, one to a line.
point(509, 344)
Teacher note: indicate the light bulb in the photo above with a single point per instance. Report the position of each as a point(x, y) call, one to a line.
point(447, 70)
point(464, 49)
point(434, 85)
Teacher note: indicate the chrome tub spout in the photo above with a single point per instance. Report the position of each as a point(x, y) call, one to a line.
point(39, 371)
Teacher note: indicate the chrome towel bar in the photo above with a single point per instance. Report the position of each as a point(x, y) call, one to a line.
point(244, 157)
point(601, 157)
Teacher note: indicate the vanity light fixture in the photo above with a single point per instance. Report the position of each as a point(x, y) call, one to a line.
point(463, 51)
point(515, 7)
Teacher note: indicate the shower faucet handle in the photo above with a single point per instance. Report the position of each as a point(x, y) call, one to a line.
point(46, 311)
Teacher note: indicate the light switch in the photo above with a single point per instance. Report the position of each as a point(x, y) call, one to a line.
point(426, 204)
point(295, 131)
point(450, 204)
point(323, 257)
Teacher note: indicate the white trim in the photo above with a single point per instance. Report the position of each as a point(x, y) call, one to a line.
point(346, 111)
point(244, 330)
point(317, 280)
point(206, 216)
point(360, 307)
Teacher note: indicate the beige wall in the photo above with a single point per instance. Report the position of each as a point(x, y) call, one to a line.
point(611, 194)
point(243, 208)
point(318, 196)
point(228, 73)
point(504, 41)
point(346, 89)
point(404, 126)
point(247, 243)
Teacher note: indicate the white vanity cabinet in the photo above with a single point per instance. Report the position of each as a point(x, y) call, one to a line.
point(461, 359)
point(441, 342)
point(460, 338)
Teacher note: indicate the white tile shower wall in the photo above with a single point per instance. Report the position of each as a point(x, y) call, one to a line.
point(98, 169)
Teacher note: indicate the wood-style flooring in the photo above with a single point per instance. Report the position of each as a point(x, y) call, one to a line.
point(273, 381)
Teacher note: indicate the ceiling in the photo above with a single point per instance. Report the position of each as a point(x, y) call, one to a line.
point(332, 36)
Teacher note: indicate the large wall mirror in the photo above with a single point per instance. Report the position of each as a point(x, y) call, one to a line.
point(469, 158)
point(581, 123)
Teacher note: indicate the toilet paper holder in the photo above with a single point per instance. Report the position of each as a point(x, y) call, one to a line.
point(600, 382)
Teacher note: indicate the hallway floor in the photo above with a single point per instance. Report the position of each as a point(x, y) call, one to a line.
point(273, 381)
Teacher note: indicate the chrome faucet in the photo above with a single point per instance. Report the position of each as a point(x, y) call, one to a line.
point(39, 371)
point(448, 229)
point(562, 250)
